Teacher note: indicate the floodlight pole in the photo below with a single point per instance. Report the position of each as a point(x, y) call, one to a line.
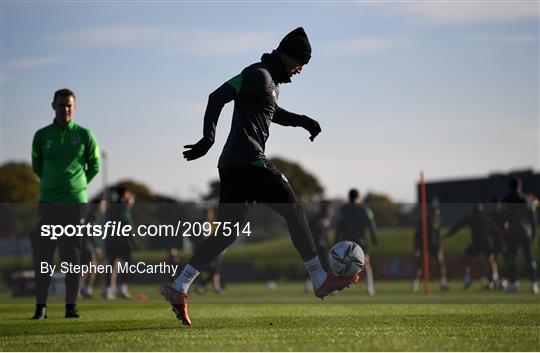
point(425, 252)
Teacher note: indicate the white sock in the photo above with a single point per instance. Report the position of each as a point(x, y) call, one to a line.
point(415, 284)
point(444, 281)
point(185, 279)
point(369, 280)
point(495, 277)
point(316, 272)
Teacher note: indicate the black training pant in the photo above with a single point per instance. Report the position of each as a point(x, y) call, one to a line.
point(322, 252)
point(44, 248)
point(523, 241)
point(240, 187)
point(117, 249)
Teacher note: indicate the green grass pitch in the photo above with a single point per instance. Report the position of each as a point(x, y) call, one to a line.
point(251, 317)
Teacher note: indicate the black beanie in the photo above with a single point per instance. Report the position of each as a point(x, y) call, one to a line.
point(296, 45)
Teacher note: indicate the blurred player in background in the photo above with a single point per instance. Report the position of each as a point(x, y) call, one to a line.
point(119, 249)
point(483, 230)
point(520, 217)
point(65, 157)
point(173, 258)
point(435, 248)
point(91, 248)
point(500, 247)
point(246, 175)
point(353, 220)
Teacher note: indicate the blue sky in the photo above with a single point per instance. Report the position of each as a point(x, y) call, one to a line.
point(398, 87)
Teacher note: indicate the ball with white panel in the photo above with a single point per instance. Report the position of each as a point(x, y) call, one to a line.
point(346, 258)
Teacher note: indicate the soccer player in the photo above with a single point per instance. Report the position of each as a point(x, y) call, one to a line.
point(434, 247)
point(246, 176)
point(482, 229)
point(521, 220)
point(65, 156)
point(352, 221)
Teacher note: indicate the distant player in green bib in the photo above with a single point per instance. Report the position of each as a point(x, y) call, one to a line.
point(65, 157)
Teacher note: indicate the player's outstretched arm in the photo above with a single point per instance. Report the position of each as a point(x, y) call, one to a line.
point(198, 149)
point(286, 118)
point(216, 101)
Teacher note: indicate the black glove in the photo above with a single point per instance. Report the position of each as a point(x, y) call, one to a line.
point(197, 150)
point(311, 125)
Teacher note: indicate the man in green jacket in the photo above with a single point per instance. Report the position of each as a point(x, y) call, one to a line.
point(65, 156)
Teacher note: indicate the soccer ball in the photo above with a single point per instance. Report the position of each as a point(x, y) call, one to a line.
point(346, 258)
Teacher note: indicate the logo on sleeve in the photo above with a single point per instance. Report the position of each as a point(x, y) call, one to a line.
point(48, 144)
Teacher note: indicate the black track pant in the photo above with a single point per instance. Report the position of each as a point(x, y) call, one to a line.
point(44, 248)
point(523, 241)
point(117, 250)
point(240, 187)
